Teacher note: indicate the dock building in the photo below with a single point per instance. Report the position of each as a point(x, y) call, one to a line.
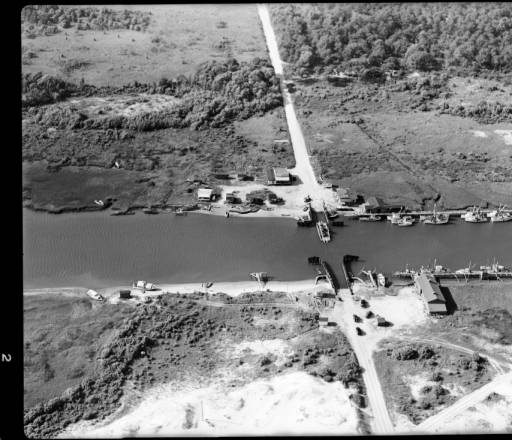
point(278, 176)
point(205, 194)
point(429, 289)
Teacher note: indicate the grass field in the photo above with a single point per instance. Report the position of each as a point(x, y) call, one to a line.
point(61, 336)
point(177, 40)
point(480, 297)
point(371, 139)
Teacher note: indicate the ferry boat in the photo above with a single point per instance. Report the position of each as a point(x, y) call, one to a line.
point(500, 215)
point(370, 218)
point(436, 219)
point(323, 232)
point(475, 215)
point(405, 221)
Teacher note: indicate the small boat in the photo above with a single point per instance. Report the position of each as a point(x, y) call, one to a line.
point(381, 280)
point(314, 260)
point(95, 295)
point(99, 202)
point(307, 218)
point(436, 219)
point(323, 232)
point(405, 221)
point(475, 215)
point(370, 218)
point(500, 215)
point(395, 217)
point(143, 285)
point(180, 211)
point(259, 276)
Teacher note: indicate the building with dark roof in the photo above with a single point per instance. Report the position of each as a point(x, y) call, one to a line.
point(430, 290)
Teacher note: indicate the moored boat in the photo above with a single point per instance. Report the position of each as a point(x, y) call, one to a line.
point(405, 221)
point(475, 215)
point(370, 218)
point(436, 218)
point(500, 215)
point(94, 295)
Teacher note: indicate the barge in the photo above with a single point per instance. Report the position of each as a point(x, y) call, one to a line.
point(323, 232)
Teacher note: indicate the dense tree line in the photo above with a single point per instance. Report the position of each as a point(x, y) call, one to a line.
point(51, 19)
point(216, 94)
point(468, 37)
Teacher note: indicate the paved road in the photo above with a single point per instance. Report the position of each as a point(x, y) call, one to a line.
point(303, 168)
point(471, 399)
point(342, 315)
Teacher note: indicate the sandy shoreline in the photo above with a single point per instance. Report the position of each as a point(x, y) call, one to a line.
point(233, 288)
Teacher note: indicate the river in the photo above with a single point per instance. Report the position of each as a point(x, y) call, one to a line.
point(98, 250)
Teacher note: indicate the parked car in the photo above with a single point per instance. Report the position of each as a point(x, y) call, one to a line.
point(369, 314)
point(359, 331)
point(364, 303)
point(357, 318)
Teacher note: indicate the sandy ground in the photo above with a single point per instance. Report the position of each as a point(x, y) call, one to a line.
point(230, 288)
point(507, 135)
point(294, 403)
point(484, 417)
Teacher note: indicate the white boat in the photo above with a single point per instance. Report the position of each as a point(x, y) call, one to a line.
point(475, 215)
point(99, 202)
point(381, 279)
point(143, 285)
point(500, 215)
point(94, 295)
point(405, 221)
point(395, 217)
point(370, 218)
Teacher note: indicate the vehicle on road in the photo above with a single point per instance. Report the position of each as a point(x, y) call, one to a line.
point(359, 331)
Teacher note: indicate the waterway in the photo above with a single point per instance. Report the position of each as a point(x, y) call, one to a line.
point(98, 250)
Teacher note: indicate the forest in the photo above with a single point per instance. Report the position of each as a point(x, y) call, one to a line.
point(218, 93)
point(465, 38)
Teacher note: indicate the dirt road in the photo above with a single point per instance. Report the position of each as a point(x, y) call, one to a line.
point(303, 169)
point(342, 315)
point(429, 425)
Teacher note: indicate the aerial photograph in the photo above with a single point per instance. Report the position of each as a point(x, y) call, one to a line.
point(266, 219)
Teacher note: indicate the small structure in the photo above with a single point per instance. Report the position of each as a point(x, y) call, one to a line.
point(323, 321)
point(429, 289)
point(232, 198)
point(347, 197)
point(278, 176)
point(205, 194)
point(255, 199)
point(125, 294)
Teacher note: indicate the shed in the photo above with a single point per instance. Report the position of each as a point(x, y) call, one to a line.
point(125, 294)
point(282, 176)
point(204, 194)
point(429, 289)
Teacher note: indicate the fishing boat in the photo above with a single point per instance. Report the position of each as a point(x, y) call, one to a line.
point(500, 215)
point(436, 218)
point(475, 215)
point(94, 295)
point(370, 218)
point(323, 232)
point(381, 280)
point(405, 221)
point(395, 217)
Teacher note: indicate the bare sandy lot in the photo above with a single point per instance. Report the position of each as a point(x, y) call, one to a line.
point(178, 39)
